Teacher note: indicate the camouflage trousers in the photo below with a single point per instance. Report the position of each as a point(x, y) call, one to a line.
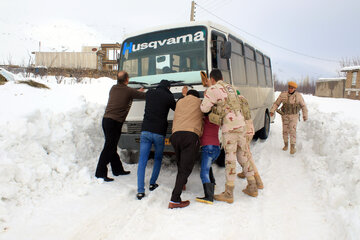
point(236, 149)
point(252, 162)
point(289, 123)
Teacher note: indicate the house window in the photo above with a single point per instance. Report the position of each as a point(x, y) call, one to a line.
point(354, 75)
point(348, 93)
point(357, 93)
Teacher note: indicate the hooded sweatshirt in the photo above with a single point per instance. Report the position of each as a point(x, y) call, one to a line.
point(158, 103)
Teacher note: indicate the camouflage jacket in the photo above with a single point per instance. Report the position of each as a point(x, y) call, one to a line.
point(292, 103)
point(233, 120)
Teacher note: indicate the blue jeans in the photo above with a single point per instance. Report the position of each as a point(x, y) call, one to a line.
point(146, 141)
point(209, 154)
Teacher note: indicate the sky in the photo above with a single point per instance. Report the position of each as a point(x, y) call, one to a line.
point(324, 29)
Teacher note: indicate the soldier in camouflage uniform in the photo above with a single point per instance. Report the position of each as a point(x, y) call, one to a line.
point(222, 99)
point(292, 102)
point(250, 131)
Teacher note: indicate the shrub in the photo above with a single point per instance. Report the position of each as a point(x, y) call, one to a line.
point(33, 84)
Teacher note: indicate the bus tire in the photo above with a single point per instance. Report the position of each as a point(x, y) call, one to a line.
point(264, 132)
point(134, 157)
point(129, 156)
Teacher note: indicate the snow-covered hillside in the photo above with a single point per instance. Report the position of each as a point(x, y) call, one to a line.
point(50, 141)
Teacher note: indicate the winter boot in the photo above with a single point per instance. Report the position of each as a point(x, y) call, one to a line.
point(241, 175)
point(258, 180)
point(292, 149)
point(227, 195)
point(286, 146)
point(251, 188)
point(209, 194)
point(211, 176)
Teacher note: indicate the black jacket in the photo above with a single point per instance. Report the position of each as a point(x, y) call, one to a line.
point(158, 103)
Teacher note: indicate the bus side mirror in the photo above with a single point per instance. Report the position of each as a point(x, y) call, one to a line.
point(225, 51)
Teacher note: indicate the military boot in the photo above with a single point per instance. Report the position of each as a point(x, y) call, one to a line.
point(209, 194)
point(251, 188)
point(292, 149)
point(241, 175)
point(258, 180)
point(286, 145)
point(227, 195)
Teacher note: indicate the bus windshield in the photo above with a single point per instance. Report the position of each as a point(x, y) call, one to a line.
point(177, 55)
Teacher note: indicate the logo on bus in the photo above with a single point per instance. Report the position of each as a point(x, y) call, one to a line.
point(196, 37)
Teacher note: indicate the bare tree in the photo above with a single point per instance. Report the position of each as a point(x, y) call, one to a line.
point(9, 59)
point(347, 62)
point(305, 85)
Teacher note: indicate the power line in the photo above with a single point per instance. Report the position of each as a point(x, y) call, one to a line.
point(261, 39)
point(217, 4)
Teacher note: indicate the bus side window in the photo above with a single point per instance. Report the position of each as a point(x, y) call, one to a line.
point(237, 62)
point(217, 62)
point(250, 64)
point(268, 73)
point(214, 51)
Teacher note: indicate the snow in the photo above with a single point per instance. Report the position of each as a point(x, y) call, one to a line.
point(50, 141)
point(350, 68)
point(56, 35)
point(7, 75)
point(331, 79)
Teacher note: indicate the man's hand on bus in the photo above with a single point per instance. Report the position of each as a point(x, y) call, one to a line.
point(141, 89)
point(184, 90)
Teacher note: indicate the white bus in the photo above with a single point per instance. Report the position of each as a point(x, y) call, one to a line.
point(178, 54)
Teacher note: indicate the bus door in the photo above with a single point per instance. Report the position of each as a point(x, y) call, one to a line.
point(217, 42)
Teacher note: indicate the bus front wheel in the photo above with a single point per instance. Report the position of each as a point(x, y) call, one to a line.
point(264, 132)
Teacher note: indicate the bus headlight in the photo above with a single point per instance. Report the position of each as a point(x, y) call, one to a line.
point(124, 128)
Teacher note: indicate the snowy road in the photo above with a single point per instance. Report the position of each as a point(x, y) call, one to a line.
point(312, 195)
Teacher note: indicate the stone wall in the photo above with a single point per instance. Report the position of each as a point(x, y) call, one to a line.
point(333, 89)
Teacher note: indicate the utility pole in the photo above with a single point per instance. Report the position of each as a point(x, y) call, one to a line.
point(192, 14)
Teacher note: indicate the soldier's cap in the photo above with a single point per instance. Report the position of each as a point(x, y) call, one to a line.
point(292, 84)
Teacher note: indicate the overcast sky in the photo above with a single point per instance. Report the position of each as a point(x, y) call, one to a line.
point(326, 29)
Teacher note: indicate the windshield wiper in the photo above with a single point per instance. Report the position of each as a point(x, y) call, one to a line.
point(140, 83)
point(172, 82)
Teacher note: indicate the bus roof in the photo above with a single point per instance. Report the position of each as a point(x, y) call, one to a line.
point(189, 24)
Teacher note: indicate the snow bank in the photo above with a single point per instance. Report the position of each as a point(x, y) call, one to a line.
point(48, 145)
point(47, 152)
point(333, 162)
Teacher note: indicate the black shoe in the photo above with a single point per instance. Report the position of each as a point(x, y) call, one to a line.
point(140, 195)
point(107, 179)
point(121, 173)
point(152, 187)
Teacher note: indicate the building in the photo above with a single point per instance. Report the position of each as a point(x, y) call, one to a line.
point(100, 58)
point(352, 84)
point(86, 59)
point(108, 55)
point(330, 87)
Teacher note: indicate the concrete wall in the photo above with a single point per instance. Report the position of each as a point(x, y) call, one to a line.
point(333, 89)
point(81, 60)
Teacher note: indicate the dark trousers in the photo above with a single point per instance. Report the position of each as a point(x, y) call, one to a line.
point(112, 132)
point(186, 146)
